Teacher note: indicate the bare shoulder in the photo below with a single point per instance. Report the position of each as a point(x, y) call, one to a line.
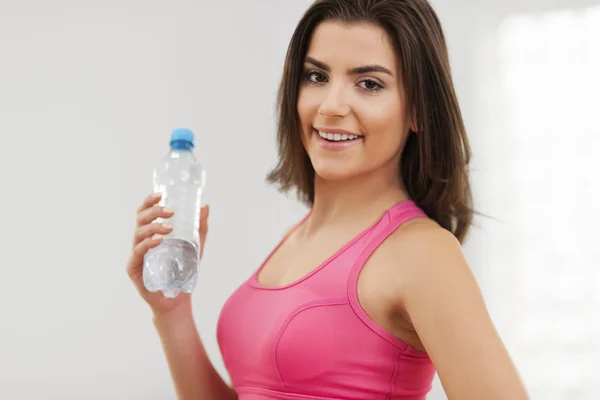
point(411, 262)
point(419, 251)
point(436, 288)
point(423, 237)
point(430, 263)
point(429, 246)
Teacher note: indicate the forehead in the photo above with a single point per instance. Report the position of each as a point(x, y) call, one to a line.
point(350, 45)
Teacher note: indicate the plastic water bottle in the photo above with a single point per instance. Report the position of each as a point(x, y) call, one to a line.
point(172, 266)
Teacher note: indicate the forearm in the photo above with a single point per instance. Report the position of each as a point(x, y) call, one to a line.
point(193, 374)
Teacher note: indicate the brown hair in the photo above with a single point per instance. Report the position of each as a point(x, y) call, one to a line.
point(434, 162)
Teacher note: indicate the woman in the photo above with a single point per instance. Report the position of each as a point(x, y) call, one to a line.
point(370, 294)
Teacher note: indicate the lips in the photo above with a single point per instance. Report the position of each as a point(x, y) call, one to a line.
point(337, 135)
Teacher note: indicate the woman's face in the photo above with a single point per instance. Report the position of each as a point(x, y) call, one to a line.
point(351, 102)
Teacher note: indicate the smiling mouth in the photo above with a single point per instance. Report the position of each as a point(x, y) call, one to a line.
point(338, 137)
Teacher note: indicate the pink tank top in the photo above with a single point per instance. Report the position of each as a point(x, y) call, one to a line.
point(311, 339)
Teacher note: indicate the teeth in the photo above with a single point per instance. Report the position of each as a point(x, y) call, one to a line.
point(336, 137)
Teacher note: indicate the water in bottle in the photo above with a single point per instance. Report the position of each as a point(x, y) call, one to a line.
point(172, 266)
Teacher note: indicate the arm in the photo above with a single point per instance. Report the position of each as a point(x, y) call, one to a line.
point(193, 374)
point(447, 310)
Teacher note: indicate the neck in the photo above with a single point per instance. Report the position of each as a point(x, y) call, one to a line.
point(354, 201)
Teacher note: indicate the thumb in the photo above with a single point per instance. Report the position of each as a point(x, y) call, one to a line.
point(204, 211)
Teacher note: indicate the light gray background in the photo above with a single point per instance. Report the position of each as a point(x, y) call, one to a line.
point(89, 92)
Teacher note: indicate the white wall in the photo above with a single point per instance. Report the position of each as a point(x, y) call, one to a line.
point(552, 337)
point(88, 95)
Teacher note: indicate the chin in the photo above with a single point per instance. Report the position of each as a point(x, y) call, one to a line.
point(334, 171)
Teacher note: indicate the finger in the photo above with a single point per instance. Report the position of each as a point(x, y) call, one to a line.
point(148, 215)
point(203, 229)
point(204, 211)
point(136, 258)
point(149, 201)
point(202, 249)
point(203, 221)
point(146, 231)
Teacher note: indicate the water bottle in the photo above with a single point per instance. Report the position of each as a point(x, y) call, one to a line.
point(172, 266)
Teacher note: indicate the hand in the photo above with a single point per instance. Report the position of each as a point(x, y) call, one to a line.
point(149, 234)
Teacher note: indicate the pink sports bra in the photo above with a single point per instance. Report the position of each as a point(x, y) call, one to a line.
point(311, 339)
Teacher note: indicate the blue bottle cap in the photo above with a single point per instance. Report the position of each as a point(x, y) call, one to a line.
point(182, 139)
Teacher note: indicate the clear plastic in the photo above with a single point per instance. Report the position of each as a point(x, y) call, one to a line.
point(172, 267)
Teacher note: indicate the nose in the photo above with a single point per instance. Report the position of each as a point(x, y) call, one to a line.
point(334, 104)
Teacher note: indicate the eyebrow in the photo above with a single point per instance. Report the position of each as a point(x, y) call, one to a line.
point(354, 71)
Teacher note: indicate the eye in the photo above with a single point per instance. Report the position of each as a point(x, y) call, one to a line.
point(370, 85)
point(314, 77)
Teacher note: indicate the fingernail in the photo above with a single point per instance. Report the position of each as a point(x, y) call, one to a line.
point(169, 210)
point(167, 226)
point(156, 195)
point(157, 237)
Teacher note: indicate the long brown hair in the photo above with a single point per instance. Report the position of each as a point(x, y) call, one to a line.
point(434, 162)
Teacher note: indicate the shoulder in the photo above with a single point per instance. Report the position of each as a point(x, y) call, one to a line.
point(420, 265)
point(429, 248)
point(416, 260)
point(424, 238)
point(420, 251)
point(437, 290)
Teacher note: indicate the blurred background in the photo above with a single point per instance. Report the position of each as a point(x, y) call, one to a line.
point(89, 92)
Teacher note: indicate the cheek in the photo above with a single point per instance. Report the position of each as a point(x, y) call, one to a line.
point(306, 107)
point(385, 128)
